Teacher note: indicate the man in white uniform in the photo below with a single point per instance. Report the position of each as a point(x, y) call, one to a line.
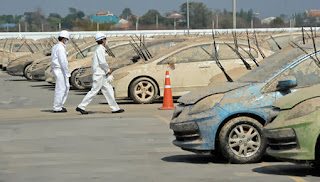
point(59, 64)
point(101, 77)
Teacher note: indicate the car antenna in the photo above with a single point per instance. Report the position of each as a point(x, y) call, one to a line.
point(314, 45)
point(240, 56)
point(77, 48)
point(139, 53)
point(257, 44)
point(276, 42)
point(109, 51)
point(216, 58)
point(144, 46)
point(250, 55)
point(303, 50)
point(303, 38)
point(248, 41)
point(139, 49)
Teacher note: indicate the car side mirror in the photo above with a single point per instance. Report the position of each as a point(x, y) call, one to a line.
point(286, 82)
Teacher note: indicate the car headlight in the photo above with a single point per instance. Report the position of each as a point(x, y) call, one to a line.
point(118, 76)
point(206, 103)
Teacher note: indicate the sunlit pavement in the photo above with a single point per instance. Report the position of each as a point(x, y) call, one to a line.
point(37, 145)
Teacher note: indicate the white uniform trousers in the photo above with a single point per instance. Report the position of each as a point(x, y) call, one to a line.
point(100, 83)
point(61, 89)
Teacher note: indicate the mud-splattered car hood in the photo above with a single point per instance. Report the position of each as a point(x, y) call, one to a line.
point(194, 96)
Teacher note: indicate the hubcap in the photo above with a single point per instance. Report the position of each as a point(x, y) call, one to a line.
point(144, 90)
point(244, 140)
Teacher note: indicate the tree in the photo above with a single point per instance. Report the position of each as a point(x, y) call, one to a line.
point(126, 13)
point(277, 22)
point(150, 18)
point(74, 15)
point(53, 20)
point(200, 15)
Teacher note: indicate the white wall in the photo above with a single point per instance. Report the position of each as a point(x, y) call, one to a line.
point(38, 35)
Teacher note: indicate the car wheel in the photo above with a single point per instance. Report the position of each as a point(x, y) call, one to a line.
point(27, 73)
point(75, 82)
point(143, 91)
point(241, 140)
point(316, 163)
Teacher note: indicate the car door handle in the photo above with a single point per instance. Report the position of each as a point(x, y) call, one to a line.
point(204, 66)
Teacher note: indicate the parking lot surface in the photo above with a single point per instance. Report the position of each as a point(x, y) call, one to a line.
point(37, 145)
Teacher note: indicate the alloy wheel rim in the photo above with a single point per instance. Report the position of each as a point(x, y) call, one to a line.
point(144, 91)
point(244, 140)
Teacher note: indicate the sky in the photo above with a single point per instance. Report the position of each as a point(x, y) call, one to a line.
point(265, 8)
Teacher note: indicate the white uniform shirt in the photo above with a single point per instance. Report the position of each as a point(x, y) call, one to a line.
point(99, 64)
point(59, 58)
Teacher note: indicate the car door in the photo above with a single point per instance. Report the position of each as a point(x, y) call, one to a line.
point(190, 68)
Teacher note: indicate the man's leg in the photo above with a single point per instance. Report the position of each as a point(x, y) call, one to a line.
point(108, 93)
point(96, 86)
point(67, 88)
point(59, 91)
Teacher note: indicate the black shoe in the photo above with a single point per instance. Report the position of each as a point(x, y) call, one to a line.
point(118, 111)
point(61, 111)
point(81, 111)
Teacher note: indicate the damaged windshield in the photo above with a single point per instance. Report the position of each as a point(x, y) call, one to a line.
point(271, 65)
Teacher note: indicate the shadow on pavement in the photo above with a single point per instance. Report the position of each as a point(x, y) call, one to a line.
point(17, 80)
point(50, 111)
point(288, 170)
point(195, 159)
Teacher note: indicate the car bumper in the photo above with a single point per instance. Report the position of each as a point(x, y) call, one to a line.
point(194, 133)
point(38, 74)
point(15, 70)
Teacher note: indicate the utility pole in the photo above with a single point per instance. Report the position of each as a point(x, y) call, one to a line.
point(234, 15)
point(137, 24)
point(217, 21)
point(7, 27)
point(188, 18)
point(19, 27)
point(157, 22)
point(25, 26)
point(59, 26)
point(97, 26)
point(42, 27)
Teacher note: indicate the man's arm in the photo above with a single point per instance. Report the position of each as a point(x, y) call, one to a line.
point(62, 57)
point(102, 61)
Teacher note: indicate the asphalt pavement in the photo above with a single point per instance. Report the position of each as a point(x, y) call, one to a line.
point(37, 145)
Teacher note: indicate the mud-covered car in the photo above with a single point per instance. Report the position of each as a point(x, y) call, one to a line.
point(124, 55)
point(16, 48)
point(36, 70)
point(190, 68)
point(294, 135)
point(228, 118)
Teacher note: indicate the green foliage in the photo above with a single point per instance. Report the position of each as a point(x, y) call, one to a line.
point(277, 22)
point(200, 15)
point(150, 18)
point(125, 13)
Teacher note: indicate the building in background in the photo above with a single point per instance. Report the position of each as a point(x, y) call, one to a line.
point(103, 17)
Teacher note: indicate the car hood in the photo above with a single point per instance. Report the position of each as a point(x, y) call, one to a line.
point(194, 96)
point(297, 97)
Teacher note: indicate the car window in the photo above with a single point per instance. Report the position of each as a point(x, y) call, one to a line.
point(156, 48)
point(307, 73)
point(21, 48)
point(86, 51)
point(191, 54)
point(121, 50)
point(226, 52)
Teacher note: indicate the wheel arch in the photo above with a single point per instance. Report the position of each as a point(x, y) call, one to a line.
point(251, 115)
point(24, 68)
point(143, 76)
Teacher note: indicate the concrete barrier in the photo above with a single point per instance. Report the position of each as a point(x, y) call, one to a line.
point(148, 33)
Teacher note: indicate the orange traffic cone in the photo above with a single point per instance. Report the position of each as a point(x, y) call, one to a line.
point(167, 98)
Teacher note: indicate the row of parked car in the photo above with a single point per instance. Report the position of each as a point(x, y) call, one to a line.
point(232, 86)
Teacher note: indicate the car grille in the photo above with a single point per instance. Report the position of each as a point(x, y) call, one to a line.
point(282, 139)
point(185, 131)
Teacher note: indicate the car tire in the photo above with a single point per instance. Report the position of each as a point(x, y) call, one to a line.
point(26, 72)
point(316, 163)
point(75, 82)
point(241, 140)
point(143, 90)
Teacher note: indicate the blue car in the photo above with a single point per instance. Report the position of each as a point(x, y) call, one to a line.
point(228, 118)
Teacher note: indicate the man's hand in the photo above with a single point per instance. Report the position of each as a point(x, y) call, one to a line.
point(109, 73)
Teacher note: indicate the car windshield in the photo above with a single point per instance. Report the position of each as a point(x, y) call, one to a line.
point(272, 64)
